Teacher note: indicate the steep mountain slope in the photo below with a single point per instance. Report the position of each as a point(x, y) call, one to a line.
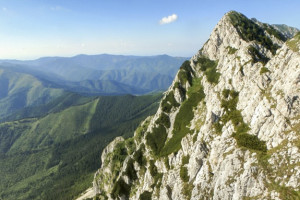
point(54, 154)
point(227, 128)
point(286, 30)
point(113, 74)
point(19, 90)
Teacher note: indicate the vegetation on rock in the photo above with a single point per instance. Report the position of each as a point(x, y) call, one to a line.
point(231, 50)
point(294, 43)
point(209, 67)
point(185, 115)
point(250, 31)
point(243, 139)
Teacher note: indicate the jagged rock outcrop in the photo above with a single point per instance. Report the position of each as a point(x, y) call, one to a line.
point(227, 128)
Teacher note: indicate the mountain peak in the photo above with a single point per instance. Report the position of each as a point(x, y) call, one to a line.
point(227, 127)
point(249, 38)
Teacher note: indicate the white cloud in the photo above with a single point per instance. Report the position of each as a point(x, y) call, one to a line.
point(169, 19)
point(56, 8)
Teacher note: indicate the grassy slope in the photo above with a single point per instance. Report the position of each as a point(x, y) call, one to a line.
point(55, 156)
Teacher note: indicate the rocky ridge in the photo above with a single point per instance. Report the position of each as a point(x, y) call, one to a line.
point(227, 128)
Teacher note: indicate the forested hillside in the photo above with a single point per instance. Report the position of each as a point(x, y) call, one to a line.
point(54, 154)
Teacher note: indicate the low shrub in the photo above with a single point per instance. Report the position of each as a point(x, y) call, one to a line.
point(146, 195)
point(264, 70)
point(250, 142)
point(156, 139)
point(184, 174)
point(231, 50)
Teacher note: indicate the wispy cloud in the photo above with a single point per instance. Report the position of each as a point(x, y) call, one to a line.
point(57, 8)
point(169, 19)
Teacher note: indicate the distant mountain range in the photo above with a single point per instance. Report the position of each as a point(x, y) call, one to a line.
point(25, 84)
point(54, 122)
point(19, 90)
point(103, 74)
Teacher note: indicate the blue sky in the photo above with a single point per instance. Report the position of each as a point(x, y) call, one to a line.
point(34, 28)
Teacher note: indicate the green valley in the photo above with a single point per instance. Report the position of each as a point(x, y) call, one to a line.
point(53, 150)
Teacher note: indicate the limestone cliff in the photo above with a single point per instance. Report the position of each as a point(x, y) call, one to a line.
point(227, 128)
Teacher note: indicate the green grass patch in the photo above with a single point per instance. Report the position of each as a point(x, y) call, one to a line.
point(209, 67)
point(231, 50)
point(156, 139)
point(183, 118)
point(183, 170)
point(250, 142)
point(184, 174)
point(187, 189)
point(294, 43)
point(164, 120)
point(243, 139)
point(185, 159)
point(169, 102)
point(264, 70)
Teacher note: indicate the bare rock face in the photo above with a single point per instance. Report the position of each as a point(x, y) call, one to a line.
point(227, 128)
